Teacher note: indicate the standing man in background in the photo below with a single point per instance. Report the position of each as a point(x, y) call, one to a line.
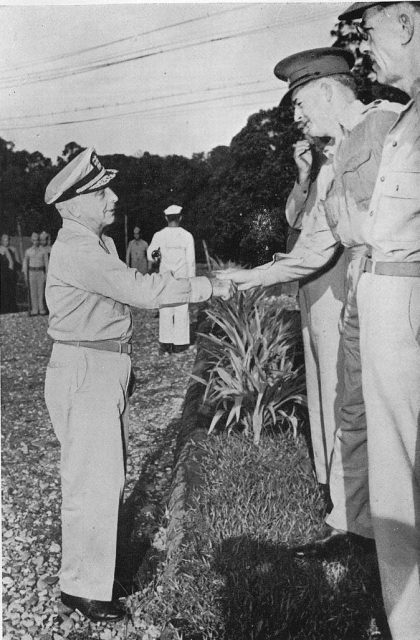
point(35, 265)
point(136, 256)
point(177, 255)
point(9, 266)
point(45, 244)
point(321, 299)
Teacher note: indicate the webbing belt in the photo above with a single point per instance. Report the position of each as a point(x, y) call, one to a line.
point(398, 269)
point(101, 345)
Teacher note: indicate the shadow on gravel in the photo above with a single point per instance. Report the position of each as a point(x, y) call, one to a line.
point(140, 515)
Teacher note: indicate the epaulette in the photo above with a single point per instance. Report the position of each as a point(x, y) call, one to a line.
point(384, 105)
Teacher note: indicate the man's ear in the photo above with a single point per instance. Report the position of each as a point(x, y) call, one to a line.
point(406, 23)
point(326, 91)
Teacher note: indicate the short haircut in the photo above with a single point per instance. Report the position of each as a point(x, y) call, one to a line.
point(176, 217)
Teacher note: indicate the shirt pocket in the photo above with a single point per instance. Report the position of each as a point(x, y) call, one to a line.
point(358, 177)
point(404, 185)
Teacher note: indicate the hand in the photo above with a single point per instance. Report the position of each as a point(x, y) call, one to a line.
point(303, 157)
point(223, 289)
point(244, 278)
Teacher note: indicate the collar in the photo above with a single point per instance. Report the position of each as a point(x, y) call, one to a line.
point(78, 228)
point(353, 114)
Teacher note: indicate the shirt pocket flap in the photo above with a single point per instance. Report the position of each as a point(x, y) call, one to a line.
point(402, 184)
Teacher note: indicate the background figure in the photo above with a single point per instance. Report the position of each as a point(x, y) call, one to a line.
point(177, 253)
point(45, 244)
point(137, 252)
point(9, 265)
point(35, 264)
point(321, 299)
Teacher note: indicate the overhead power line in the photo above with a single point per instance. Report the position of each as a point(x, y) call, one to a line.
point(110, 43)
point(60, 73)
point(127, 102)
point(138, 111)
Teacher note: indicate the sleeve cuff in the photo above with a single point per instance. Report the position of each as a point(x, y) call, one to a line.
point(201, 289)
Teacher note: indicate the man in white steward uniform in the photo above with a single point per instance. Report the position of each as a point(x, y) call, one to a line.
point(89, 292)
point(177, 256)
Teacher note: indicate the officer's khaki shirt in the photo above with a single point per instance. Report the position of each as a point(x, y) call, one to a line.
point(89, 289)
point(34, 257)
point(392, 227)
point(338, 213)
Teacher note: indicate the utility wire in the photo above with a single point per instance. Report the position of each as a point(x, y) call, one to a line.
point(77, 52)
point(125, 103)
point(59, 73)
point(137, 112)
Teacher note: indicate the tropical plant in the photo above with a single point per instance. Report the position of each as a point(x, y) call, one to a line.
point(255, 380)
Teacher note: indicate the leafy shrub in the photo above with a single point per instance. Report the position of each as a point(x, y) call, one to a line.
point(254, 381)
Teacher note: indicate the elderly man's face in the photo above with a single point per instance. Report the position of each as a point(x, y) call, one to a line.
point(382, 43)
point(5, 240)
point(97, 209)
point(311, 111)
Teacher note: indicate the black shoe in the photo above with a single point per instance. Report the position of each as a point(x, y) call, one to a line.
point(95, 610)
point(180, 348)
point(165, 348)
point(329, 544)
point(336, 541)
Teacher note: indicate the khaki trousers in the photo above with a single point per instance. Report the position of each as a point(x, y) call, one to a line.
point(36, 291)
point(174, 325)
point(382, 463)
point(321, 302)
point(86, 396)
point(349, 465)
point(390, 349)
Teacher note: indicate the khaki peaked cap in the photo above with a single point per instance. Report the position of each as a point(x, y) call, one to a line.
point(302, 67)
point(357, 9)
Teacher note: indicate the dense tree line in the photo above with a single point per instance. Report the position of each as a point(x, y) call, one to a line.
point(233, 197)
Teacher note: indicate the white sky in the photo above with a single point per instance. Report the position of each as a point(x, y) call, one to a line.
point(240, 69)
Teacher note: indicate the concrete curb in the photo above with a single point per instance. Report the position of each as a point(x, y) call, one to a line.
point(187, 472)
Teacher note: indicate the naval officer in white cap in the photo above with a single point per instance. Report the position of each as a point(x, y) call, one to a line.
point(89, 292)
point(177, 255)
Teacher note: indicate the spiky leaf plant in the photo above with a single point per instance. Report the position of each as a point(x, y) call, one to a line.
point(254, 381)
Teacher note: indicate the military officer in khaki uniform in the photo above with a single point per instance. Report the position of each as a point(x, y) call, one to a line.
point(322, 295)
point(34, 267)
point(321, 300)
point(375, 200)
point(136, 256)
point(389, 303)
point(89, 293)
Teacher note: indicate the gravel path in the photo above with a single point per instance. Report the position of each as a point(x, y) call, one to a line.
point(30, 478)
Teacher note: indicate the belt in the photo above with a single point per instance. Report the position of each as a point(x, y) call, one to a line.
point(36, 268)
point(399, 269)
point(101, 345)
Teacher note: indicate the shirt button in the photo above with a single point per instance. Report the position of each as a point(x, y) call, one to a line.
point(371, 213)
point(382, 178)
point(394, 144)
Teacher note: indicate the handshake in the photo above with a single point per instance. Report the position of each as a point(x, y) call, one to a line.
point(223, 289)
